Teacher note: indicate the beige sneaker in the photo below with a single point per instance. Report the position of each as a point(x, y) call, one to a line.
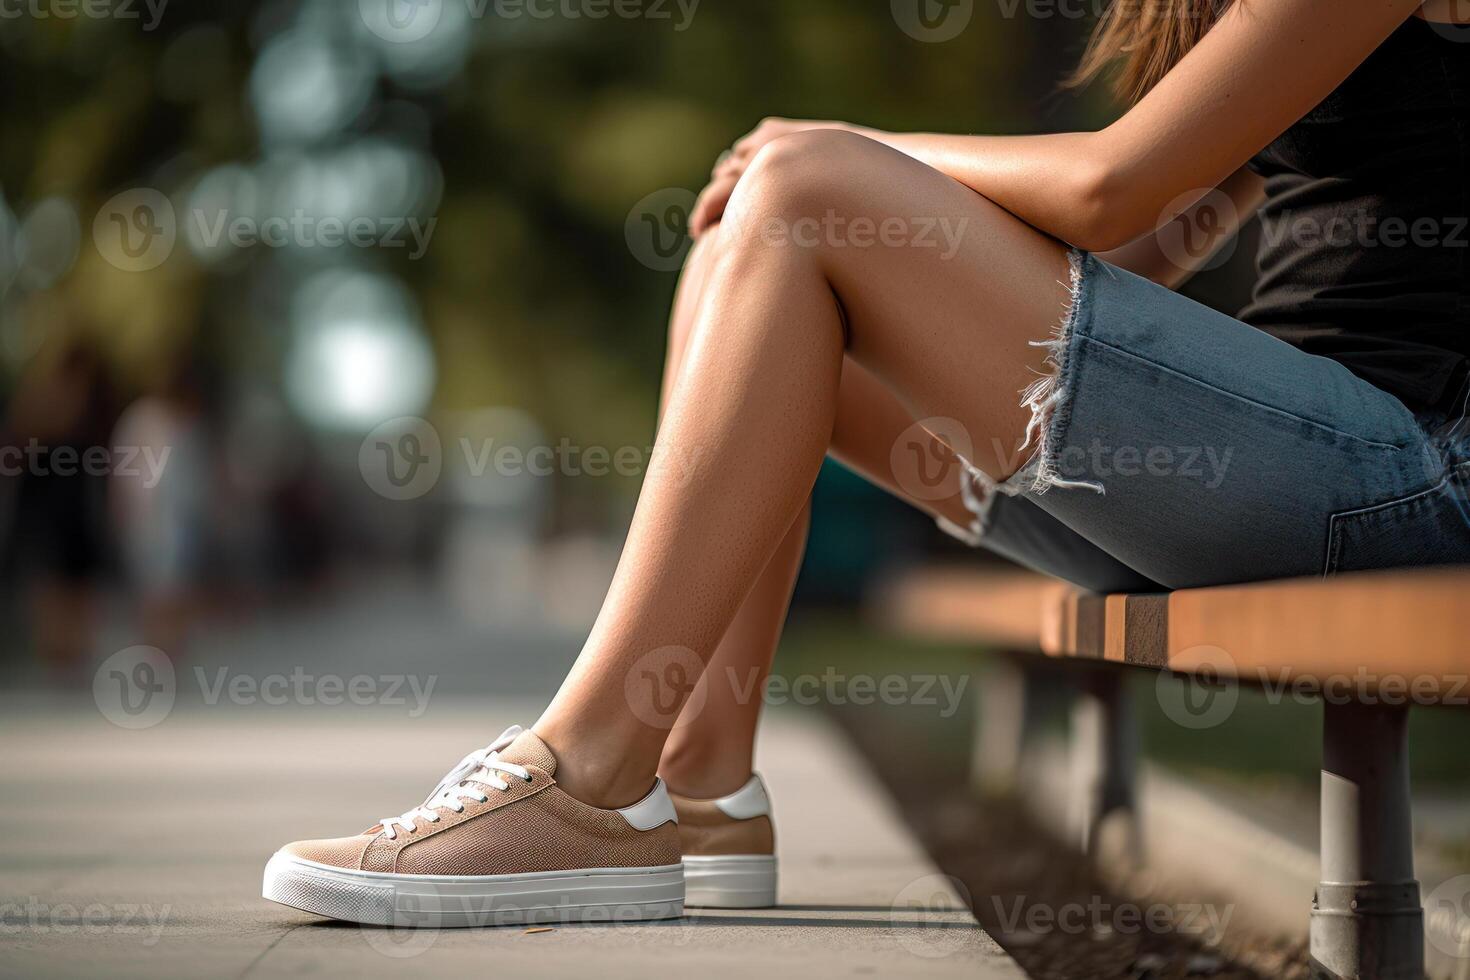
point(729, 849)
point(496, 843)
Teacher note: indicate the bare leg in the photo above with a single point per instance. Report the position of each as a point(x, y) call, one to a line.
point(756, 405)
point(710, 750)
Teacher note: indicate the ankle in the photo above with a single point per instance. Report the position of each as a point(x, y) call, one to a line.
point(697, 775)
point(598, 772)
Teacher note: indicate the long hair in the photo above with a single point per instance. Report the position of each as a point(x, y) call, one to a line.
point(1137, 42)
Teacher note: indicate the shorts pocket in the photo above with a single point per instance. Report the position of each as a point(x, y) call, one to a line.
point(1431, 527)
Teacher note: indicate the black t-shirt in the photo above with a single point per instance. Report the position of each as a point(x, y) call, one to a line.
point(1366, 226)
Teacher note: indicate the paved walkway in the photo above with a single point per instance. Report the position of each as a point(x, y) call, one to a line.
point(139, 853)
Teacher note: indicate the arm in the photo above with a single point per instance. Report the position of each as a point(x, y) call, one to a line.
point(1261, 68)
point(1180, 248)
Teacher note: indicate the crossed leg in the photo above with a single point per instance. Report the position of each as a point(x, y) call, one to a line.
point(796, 306)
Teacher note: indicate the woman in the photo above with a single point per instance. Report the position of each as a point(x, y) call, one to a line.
point(1157, 444)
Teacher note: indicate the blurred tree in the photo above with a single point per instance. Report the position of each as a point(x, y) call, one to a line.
point(544, 133)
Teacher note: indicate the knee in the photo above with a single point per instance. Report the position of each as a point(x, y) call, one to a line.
point(802, 175)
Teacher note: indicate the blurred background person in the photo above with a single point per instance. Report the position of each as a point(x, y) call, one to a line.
point(63, 406)
point(160, 504)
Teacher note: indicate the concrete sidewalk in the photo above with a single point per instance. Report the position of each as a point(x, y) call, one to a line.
point(139, 853)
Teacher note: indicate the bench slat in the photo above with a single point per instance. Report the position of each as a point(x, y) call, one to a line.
point(1402, 623)
point(1406, 625)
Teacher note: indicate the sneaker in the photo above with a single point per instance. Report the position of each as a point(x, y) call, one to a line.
point(729, 849)
point(496, 843)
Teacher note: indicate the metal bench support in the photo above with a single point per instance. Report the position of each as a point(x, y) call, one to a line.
point(1104, 758)
point(1008, 705)
point(1366, 918)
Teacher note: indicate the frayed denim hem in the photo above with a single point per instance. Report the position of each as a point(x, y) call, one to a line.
point(1049, 399)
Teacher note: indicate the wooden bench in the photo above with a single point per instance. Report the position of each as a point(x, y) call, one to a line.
point(1371, 645)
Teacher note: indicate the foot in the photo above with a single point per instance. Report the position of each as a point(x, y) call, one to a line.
point(729, 849)
point(496, 843)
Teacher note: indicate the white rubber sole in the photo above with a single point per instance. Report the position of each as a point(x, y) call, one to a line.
point(594, 895)
point(730, 881)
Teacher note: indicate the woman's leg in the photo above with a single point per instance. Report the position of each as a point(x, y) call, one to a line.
point(710, 750)
point(711, 745)
point(941, 305)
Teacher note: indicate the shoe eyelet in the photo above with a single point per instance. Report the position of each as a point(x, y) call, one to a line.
point(528, 778)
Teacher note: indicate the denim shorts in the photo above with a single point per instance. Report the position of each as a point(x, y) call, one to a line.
point(1179, 447)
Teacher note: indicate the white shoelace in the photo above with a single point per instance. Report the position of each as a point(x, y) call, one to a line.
point(482, 765)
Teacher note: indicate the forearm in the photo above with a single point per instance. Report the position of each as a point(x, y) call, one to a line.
point(1052, 182)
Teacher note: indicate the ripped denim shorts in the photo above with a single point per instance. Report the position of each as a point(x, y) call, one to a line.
point(1178, 447)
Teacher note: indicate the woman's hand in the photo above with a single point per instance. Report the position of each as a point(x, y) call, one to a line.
point(732, 164)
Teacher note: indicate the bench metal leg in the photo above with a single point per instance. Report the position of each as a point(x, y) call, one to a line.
point(1366, 918)
point(1008, 706)
point(1104, 758)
